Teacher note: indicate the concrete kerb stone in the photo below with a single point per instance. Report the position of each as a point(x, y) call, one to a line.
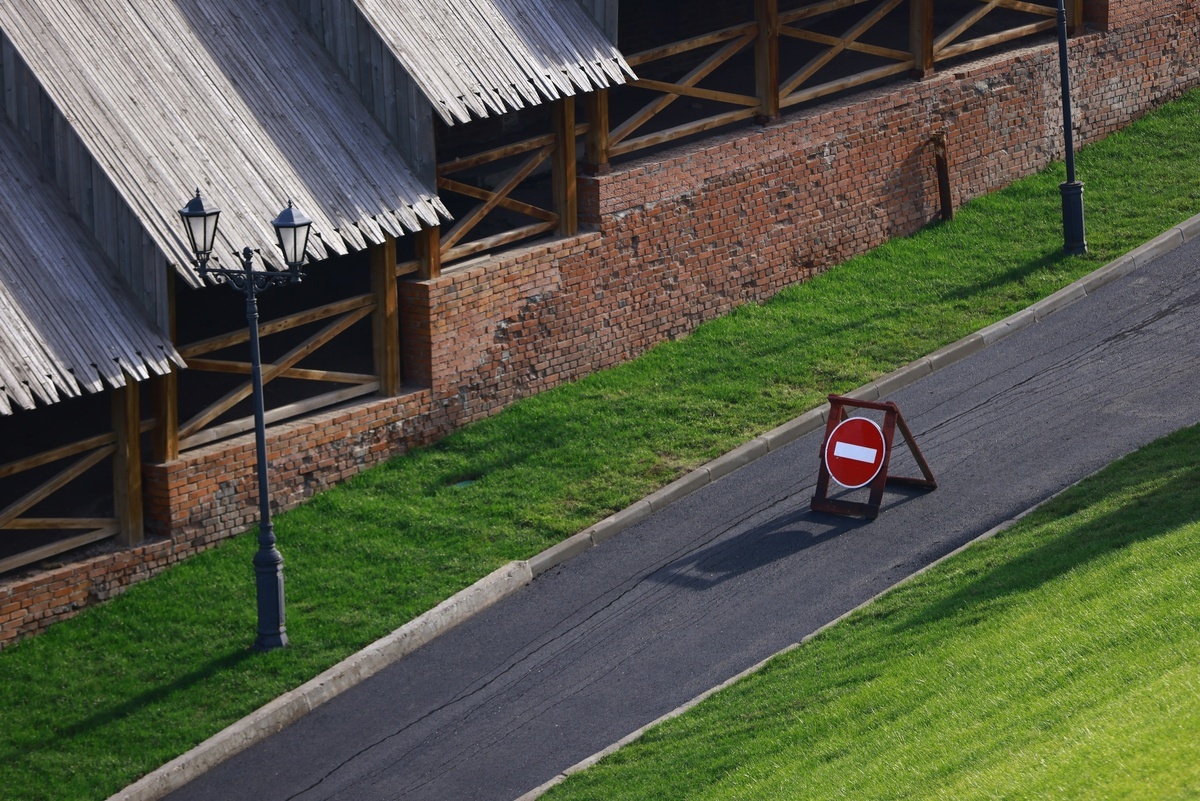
point(619, 521)
point(796, 428)
point(956, 351)
point(685, 485)
point(287, 708)
point(738, 457)
point(1190, 229)
point(1058, 300)
point(1164, 242)
point(1108, 273)
point(561, 552)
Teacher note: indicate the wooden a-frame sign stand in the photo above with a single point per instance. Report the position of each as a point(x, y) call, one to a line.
point(892, 418)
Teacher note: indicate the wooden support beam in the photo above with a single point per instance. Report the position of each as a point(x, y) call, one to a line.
point(920, 37)
point(385, 323)
point(766, 59)
point(164, 403)
point(942, 163)
point(428, 242)
point(566, 200)
point(127, 463)
point(1074, 16)
point(596, 145)
point(164, 397)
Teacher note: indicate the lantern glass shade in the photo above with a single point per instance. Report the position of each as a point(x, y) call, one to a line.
point(292, 227)
point(200, 222)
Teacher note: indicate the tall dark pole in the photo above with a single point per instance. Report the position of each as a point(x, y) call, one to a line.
point(1074, 241)
point(292, 227)
point(268, 562)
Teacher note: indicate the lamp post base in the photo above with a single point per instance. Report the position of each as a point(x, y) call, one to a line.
point(1074, 241)
point(268, 580)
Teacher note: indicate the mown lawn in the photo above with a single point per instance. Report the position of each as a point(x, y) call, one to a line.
point(1059, 660)
point(95, 702)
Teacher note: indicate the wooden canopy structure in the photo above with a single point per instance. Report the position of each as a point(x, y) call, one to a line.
point(224, 95)
point(66, 325)
point(475, 58)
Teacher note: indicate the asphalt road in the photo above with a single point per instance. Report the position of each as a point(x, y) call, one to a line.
point(681, 601)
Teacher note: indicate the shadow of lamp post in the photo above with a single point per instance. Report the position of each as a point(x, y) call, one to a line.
point(291, 227)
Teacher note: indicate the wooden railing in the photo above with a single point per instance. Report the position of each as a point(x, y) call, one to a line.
point(794, 89)
point(536, 152)
point(915, 49)
point(84, 455)
point(435, 247)
point(733, 40)
point(945, 46)
point(340, 316)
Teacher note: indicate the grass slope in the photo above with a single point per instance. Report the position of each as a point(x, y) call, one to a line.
point(1059, 660)
point(97, 701)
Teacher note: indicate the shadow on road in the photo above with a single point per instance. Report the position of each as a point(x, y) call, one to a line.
point(765, 544)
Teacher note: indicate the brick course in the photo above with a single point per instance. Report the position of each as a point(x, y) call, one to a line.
point(678, 239)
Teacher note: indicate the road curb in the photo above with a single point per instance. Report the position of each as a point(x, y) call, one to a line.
point(293, 705)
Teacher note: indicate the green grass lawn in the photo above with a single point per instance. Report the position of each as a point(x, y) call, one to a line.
point(1058, 660)
point(97, 701)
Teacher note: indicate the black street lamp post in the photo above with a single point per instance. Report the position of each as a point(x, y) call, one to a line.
point(292, 227)
point(1074, 241)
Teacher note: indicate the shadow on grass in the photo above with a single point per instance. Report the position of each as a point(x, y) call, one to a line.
point(1016, 275)
point(1153, 514)
point(109, 715)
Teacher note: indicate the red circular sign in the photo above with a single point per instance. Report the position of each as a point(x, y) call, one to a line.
point(854, 452)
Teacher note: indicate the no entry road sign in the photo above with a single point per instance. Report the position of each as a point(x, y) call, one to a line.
point(855, 451)
point(855, 454)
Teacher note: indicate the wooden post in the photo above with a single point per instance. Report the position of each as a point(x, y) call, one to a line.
point(942, 163)
point(164, 398)
point(385, 323)
point(164, 401)
point(566, 202)
point(920, 37)
point(127, 463)
point(597, 142)
point(428, 243)
point(1074, 16)
point(766, 60)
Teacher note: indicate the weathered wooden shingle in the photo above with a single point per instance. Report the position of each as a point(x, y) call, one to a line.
point(232, 97)
point(473, 58)
point(66, 324)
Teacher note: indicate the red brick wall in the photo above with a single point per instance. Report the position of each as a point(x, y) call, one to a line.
point(680, 238)
point(1116, 14)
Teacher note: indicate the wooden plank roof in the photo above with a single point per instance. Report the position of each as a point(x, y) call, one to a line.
point(474, 58)
point(66, 324)
point(232, 97)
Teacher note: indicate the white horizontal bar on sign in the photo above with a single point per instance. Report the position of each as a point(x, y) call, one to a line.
point(856, 452)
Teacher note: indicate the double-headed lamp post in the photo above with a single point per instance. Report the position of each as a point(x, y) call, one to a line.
point(292, 227)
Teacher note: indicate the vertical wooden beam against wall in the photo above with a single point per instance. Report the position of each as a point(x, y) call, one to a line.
point(428, 243)
point(127, 463)
point(766, 60)
point(595, 146)
point(385, 324)
point(566, 200)
point(164, 394)
point(1074, 16)
point(920, 37)
point(942, 163)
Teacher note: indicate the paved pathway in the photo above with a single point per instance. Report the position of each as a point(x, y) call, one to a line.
point(731, 574)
